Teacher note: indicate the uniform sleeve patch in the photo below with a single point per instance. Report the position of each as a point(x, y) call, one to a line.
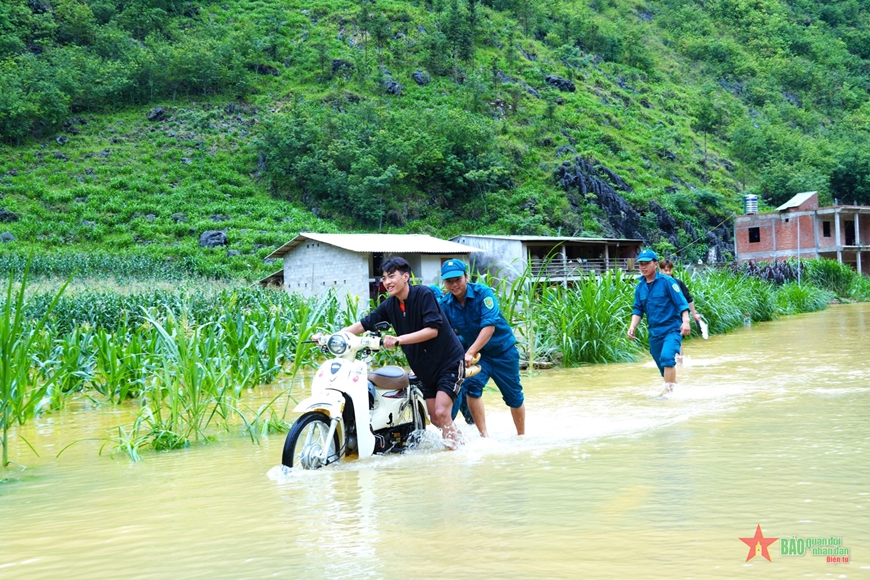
point(489, 302)
point(676, 287)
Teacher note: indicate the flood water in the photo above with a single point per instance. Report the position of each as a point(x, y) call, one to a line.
point(768, 426)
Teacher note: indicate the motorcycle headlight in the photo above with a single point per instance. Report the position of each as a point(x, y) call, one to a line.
point(337, 344)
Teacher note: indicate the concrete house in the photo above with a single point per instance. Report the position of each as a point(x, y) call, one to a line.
point(799, 228)
point(351, 263)
point(561, 259)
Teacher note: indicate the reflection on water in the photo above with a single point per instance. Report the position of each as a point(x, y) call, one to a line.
point(768, 426)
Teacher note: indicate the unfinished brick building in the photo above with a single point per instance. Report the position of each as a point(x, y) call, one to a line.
point(800, 228)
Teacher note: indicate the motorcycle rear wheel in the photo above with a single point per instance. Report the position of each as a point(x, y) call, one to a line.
point(304, 444)
point(419, 414)
point(418, 424)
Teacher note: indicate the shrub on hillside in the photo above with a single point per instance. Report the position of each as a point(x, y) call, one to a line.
point(376, 164)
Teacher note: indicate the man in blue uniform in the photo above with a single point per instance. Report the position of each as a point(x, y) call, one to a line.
point(474, 314)
point(432, 349)
point(667, 315)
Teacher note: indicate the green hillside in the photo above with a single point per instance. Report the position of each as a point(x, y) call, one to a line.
point(131, 127)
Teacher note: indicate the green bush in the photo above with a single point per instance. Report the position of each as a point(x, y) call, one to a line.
point(794, 298)
point(830, 275)
point(859, 289)
point(345, 162)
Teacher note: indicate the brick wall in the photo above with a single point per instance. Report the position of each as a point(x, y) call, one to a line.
point(777, 236)
point(864, 226)
point(743, 225)
point(830, 241)
point(787, 234)
point(313, 267)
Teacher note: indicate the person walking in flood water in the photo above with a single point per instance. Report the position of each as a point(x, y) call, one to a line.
point(660, 298)
point(473, 312)
point(431, 347)
point(667, 268)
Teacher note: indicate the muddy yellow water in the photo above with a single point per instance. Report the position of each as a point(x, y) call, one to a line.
point(770, 426)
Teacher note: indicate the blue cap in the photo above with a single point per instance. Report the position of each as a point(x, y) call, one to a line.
point(648, 256)
point(453, 269)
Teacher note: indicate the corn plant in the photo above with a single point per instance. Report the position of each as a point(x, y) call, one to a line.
point(191, 388)
point(119, 371)
point(20, 395)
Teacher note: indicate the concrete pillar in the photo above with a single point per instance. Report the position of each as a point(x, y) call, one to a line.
point(773, 235)
point(838, 238)
point(799, 240)
point(736, 244)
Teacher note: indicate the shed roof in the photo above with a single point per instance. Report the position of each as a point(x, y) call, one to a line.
point(551, 239)
point(273, 279)
point(366, 243)
point(797, 201)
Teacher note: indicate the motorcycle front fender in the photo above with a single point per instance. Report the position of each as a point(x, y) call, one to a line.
point(331, 403)
point(328, 401)
point(365, 439)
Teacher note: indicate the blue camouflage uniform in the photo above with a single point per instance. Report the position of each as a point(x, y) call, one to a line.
point(499, 358)
point(663, 303)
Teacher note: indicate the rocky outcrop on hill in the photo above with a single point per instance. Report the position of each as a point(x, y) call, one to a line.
point(560, 84)
point(582, 179)
point(505, 79)
point(157, 114)
point(213, 239)
point(7, 216)
point(591, 181)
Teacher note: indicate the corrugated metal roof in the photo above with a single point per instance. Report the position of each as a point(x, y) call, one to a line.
point(365, 243)
point(797, 200)
point(551, 239)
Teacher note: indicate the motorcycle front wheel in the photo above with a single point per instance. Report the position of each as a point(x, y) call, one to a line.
point(305, 442)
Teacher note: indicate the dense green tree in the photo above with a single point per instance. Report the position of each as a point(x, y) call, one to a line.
point(348, 163)
point(850, 179)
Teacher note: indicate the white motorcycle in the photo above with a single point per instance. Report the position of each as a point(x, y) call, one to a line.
point(353, 410)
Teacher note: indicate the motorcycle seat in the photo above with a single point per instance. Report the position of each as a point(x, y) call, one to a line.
point(390, 378)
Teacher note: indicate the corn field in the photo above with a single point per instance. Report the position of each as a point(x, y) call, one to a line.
point(184, 356)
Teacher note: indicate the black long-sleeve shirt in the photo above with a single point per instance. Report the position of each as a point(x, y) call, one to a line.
point(429, 359)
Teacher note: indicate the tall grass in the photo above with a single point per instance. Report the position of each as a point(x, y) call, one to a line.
point(830, 275)
point(190, 388)
point(859, 289)
point(129, 268)
point(725, 299)
point(794, 298)
point(589, 318)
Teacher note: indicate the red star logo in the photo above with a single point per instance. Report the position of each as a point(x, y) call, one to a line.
point(758, 543)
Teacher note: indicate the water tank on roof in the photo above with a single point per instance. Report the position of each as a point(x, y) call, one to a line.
point(750, 204)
